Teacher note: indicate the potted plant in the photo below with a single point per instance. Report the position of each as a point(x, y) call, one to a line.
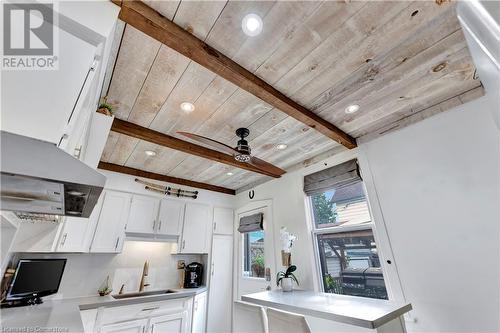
point(106, 109)
point(286, 278)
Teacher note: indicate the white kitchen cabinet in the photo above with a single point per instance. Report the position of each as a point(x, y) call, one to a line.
point(109, 234)
point(220, 297)
point(223, 221)
point(196, 228)
point(170, 217)
point(131, 326)
point(77, 233)
point(142, 215)
point(89, 318)
point(199, 313)
point(171, 323)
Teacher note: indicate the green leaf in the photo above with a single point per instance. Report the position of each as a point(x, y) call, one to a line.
point(291, 269)
point(294, 278)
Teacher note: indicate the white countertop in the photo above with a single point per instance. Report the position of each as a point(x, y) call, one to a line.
point(358, 311)
point(64, 314)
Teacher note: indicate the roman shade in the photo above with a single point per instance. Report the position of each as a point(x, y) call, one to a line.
point(337, 176)
point(251, 223)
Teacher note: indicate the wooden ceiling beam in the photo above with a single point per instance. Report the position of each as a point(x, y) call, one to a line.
point(163, 178)
point(165, 140)
point(153, 24)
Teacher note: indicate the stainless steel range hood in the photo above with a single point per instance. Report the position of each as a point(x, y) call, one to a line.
point(38, 178)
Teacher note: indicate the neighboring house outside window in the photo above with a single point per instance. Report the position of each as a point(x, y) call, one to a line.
point(346, 249)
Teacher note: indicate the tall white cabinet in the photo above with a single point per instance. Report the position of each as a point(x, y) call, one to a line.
point(220, 298)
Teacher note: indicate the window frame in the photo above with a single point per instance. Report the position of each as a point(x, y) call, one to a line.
point(384, 250)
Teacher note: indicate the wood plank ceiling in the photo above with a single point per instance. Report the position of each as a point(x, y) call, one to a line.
point(396, 60)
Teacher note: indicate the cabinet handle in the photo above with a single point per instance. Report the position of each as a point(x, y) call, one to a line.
point(64, 239)
point(154, 224)
point(212, 273)
point(78, 152)
point(150, 309)
point(159, 225)
point(183, 244)
point(215, 226)
point(117, 240)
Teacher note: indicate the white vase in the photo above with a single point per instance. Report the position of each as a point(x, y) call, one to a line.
point(287, 284)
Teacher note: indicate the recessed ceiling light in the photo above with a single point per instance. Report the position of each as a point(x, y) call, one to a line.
point(229, 173)
point(251, 25)
point(281, 146)
point(150, 153)
point(187, 107)
point(352, 108)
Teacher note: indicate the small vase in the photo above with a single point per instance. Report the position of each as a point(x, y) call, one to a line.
point(287, 284)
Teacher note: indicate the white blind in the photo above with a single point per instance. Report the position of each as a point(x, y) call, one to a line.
point(337, 176)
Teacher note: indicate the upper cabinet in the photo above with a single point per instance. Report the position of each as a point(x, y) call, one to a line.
point(143, 214)
point(110, 232)
point(170, 217)
point(197, 229)
point(223, 221)
point(68, 93)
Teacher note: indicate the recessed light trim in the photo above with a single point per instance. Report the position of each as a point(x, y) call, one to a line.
point(229, 173)
point(187, 107)
point(252, 25)
point(150, 153)
point(281, 146)
point(352, 108)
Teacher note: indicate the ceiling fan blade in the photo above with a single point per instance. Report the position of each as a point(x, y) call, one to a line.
point(265, 166)
point(216, 144)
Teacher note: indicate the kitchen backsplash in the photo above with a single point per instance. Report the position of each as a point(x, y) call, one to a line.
point(84, 273)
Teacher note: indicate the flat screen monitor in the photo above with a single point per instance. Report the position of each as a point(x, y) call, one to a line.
point(35, 278)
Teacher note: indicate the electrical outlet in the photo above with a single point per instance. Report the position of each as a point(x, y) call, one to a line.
point(181, 264)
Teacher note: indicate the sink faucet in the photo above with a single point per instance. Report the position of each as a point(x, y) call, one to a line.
point(144, 280)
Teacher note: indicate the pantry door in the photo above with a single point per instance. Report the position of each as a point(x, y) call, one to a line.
point(255, 252)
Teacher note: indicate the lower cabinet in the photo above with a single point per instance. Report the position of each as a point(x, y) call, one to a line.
point(175, 323)
point(200, 313)
point(131, 326)
point(168, 316)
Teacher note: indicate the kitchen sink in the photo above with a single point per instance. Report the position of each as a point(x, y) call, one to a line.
point(143, 293)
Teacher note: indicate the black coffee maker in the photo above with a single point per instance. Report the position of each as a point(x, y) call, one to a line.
point(194, 275)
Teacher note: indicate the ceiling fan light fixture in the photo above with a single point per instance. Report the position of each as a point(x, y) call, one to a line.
point(242, 157)
point(187, 107)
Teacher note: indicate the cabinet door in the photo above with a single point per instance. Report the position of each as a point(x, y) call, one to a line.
point(78, 232)
point(220, 298)
point(170, 217)
point(142, 215)
point(196, 226)
point(131, 326)
point(199, 313)
point(172, 323)
point(223, 221)
point(109, 234)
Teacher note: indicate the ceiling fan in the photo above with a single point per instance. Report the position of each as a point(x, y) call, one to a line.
point(241, 153)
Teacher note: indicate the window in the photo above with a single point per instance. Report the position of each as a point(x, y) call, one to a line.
point(342, 228)
point(253, 254)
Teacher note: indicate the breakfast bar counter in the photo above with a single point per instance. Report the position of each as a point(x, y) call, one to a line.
point(377, 314)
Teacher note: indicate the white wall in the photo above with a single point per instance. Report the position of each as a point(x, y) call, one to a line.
point(438, 186)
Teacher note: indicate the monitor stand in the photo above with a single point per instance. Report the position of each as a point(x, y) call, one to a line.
point(35, 300)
